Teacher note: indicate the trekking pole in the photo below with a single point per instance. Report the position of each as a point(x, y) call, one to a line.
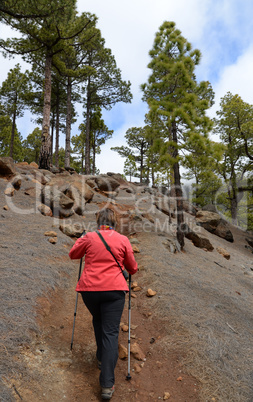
point(128, 377)
point(80, 268)
point(79, 275)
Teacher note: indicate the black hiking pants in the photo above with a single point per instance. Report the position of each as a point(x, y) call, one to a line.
point(106, 309)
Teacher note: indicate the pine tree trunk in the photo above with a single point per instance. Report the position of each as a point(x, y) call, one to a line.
point(13, 132)
point(57, 132)
point(52, 139)
point(87, 140)
point(68, 125)
point(178, 191)
point(153, 175)
point(141, 167)
point(82, 160)
point(234, 211)
point(45, 150)
point(94, 157)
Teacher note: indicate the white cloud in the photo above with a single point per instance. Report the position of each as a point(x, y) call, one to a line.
point(237, 78)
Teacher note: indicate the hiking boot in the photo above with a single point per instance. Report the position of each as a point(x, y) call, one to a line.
point(107, 392)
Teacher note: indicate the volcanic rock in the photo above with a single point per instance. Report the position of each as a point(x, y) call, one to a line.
point(214, 224)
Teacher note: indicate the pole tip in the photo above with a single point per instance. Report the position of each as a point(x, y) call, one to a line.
point(128, 377)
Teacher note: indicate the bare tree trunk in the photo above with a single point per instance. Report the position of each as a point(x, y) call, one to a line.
point(13, 131)
point(94, 156)
point(45, 150)
point(82, 160)
point(178, 190)
point(57, 131)
point(52, 139)
point(87, 141)
point(234, 210)
point(153, 175)
point(141, 166)
point(68, 125)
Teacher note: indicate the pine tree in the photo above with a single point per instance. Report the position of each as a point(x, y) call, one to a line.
point(137, 150)
point(48, 34)
point(31, 146)
point(103, 88)
point(173, 92)
point(130, 168)
point(99, 134)
point(73, 66)
point(5, 138)
point(13, 96)
point(235, 127)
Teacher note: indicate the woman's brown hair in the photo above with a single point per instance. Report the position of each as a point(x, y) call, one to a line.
point(106, 216)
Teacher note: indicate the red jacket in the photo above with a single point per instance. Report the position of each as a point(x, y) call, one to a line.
point(101, 272)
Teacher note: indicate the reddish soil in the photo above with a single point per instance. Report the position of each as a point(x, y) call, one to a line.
point(73, 375)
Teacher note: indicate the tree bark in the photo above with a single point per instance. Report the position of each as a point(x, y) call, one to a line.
point(94, 155)
point(57, 131)
point(52, 139)
point(68, 125)
point(13, 129)
point(87, 140)
point(82, 160)
point(178, 190)
point(45, 150)
point(234, 210)
point(141, 166)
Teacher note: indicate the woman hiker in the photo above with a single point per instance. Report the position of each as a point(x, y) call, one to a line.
point(103, 288)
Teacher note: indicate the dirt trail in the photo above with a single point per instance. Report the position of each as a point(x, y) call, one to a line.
point(199, 322)
point(73, 376)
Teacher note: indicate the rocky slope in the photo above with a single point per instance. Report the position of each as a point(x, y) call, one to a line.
point(194, 334)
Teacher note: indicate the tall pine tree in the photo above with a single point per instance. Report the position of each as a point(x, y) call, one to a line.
point(173, 92)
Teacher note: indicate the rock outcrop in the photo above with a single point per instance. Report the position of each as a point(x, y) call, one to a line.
point(197, 239)
point(57, 201)
point(7, 167)
point(214, 224)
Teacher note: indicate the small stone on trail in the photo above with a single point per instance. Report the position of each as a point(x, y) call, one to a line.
point(137, 352)
point(223, 252)
point(124, 328)
point(166, 395)
point(52, 240)
point(6, 208)
point(122, 352)
point(16, 182)
point(134, 241)
point(151, 293)
point(134, 285)
point(137, 368)
point(9, 191)
point(180, 378)
point(45, 210)
point(135, 249)
point(133, 295)
point(137, 289)
point(50, 233)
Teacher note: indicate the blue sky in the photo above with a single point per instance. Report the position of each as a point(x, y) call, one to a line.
point(221, 29)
